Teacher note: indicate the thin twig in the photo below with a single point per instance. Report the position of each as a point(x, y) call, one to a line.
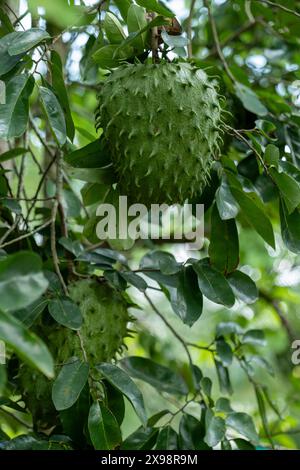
point(190, 29)
point(274, 303)
point(26, 235)
point(279, 6)
point(55, 206)
point(217, 42)
point(177, 336)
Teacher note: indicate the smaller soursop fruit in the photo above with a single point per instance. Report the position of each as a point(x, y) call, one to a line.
point(162, 125)
point(105, 319)
point(104, 328)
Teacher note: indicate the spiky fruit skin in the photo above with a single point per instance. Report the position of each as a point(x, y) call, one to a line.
point(162, 124)
point(105, 320)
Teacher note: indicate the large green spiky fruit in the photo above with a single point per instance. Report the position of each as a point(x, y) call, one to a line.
point(162, 125)
point(104, 328)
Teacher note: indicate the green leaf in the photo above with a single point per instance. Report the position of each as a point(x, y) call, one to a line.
point(29, 314)
point(135, 280)
point(262, 411)
point(54, 115)
point(174, 41)
point(136, 21)
point(93, 155)
point(223, 378)
point(109, 56)
point(272, 155)
point(69, 383)
point(288, 187)
point(14, 113)
point(65, 312)
point(115, 401)
point(123, 6)
point(141, 439)
point(167, 439)
point(213, 284)
point(13, 153)
point(223, 405)
point(243, 287)
point(290, 228)
point(157, 7)
point(7, 62)
point(21, 280)
point(227, 205)
point(243, 424)
point(113, 28)
point(224, 243)
point(250, 100)
point(191, 433)
point(122, 382)
point(26, 40)
point(104, 430)
point(158, 21)
point(224, 352)
point(59, 87)
point(215, 431)
point(254, 214)
point(160, 377)
point(254, 337)
point(243, 445)
point(26, 344)
point(187, 299)
point(228, 328)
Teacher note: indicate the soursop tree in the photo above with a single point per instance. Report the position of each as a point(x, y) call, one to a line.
point(123, 342)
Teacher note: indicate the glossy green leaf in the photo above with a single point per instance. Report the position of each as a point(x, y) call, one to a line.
point(191, 433)
point(141, 439)
point(224, 352)
point(135, 280)
point(223, 378)
point(250, 99)
point(21, 280)
point(104, 430)
point(29, 314)
point(27, 345)
point(122, 382)
point(55, 115)
point(187, 299)
point(254, 337)
point(167, 439)
point(160, 377)
point(224, 243)
point(13, 153)
point(288, 187)
point(65, 312)
point(59, 88)
point(14, 113)
point(123, 6)
point(213, 284)
point(26, 40)
point(113, 28)
point(243, 287)
point(227, 205)
point(93, 155)
point(215, 431)
point(156, 6)
point(290, 228)
point(223, 405)
point(136, 21)
point(243, 424)
point(8, 62)
point(272, 155)
point(69, 383)
point(254, 214)
point(109, 56)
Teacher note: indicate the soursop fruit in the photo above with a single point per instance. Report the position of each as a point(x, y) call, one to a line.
point(105, 320)
point(162, 126)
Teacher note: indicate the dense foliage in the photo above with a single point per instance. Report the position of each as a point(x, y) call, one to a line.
point(147, 344)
